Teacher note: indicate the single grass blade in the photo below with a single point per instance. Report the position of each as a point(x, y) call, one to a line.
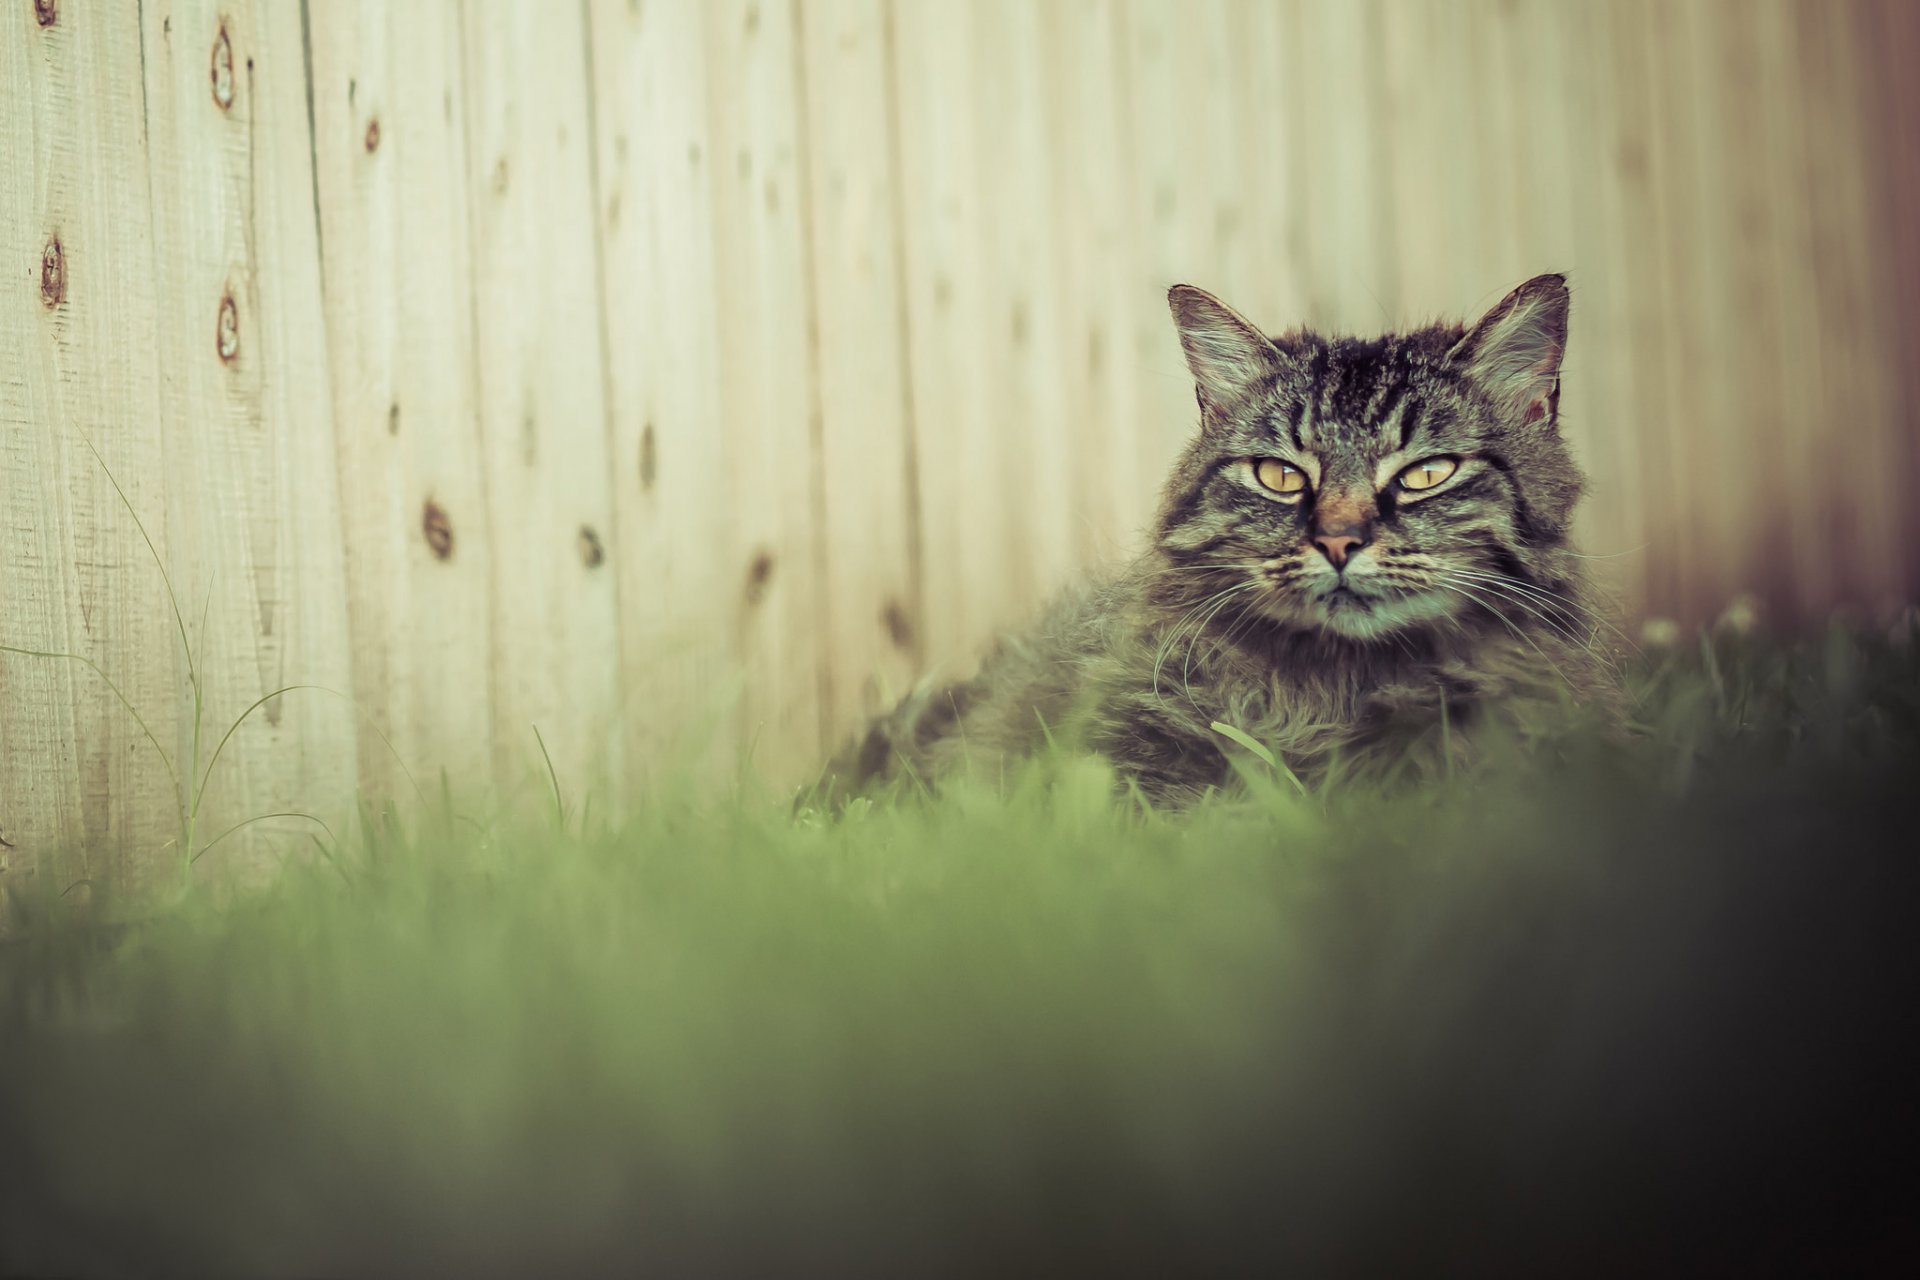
point(1273, 762)
point(319, 822)
point(193, 674)
point(165, 759)
point(553, 780)
point(200, 788)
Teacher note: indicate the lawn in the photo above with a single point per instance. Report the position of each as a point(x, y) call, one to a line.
point(1593, 1008)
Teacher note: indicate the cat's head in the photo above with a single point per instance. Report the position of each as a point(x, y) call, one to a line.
point(1367, 486)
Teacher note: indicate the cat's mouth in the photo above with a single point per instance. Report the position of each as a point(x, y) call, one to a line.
point(1362, 612)
point(1343, 607)
point(1359, 604)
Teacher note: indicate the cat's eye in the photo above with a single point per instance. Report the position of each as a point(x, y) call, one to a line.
point(1427, 473)
point(1281, 477)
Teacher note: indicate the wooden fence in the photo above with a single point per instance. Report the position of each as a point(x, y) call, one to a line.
point(684, 378)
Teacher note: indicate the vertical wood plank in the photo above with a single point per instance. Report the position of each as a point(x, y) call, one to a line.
point(768, 401)
point(1734, 226)
point(1600, 403)
point(1863, 550)
point(1418, 105)
point(673, 478)
point(1684, 286)
point(391, 166)
point(542, 401)
point(1093, 232)
point(253, 506)
point(1797, 286)
point(1169, 196)
point(961, 497)
point(1889, 39)
point(1640, 264)
point(77, 336)
point(1333, 130)
point(869, 518)
point(1263, 177)
point(1029, 437)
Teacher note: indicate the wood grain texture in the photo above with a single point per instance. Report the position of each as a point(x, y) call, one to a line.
point(768, 388)
point(870, 522)
point(83, 794)
point(390, 158)
point(253, 517)
point(673, 489)
point(1109, 483)
point(950, 322)
point(542, 400)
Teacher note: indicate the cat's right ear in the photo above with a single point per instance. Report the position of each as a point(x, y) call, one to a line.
point(1230, 359)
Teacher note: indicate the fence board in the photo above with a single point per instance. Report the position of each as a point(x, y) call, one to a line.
point(960, 490)
point(768, 399)
point(672, 478)
point(1029, 437)
point(873, 608)
point(1109, 485)
point(1599, 388)
point(76, 774)
point(253, 514)
point(390, 161)
point(542, 398)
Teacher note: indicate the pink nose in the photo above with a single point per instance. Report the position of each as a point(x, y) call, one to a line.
point(1338, 546)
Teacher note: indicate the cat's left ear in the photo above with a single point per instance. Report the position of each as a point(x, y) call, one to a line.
point(1514, 353)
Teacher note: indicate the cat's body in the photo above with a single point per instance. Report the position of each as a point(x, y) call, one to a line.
point(1364, 549)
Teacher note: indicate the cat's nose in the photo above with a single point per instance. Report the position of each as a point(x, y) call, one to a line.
point(1339, 546)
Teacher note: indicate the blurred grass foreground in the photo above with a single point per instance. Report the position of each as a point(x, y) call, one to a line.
point(1597, 1008)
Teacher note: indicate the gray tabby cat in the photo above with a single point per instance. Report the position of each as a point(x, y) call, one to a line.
point(1363, 550)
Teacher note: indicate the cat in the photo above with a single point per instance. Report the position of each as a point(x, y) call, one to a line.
point(1362, 552)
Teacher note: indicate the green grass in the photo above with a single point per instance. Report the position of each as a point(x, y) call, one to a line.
point(1564, 1013)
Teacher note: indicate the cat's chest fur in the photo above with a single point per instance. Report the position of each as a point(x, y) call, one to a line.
point(1153, 702)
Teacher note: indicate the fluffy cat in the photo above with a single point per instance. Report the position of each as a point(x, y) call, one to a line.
point(1362, 553)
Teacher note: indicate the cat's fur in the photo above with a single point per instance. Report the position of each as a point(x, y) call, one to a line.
point(1456, 606)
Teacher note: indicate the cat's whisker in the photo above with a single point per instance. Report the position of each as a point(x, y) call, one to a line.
point(1172, 636)
point(1186, 667)
point(1537, 610)
point(1549, 611)
point(1518, 631)
point(1578, 613)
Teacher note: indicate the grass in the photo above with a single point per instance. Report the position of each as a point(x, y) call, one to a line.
point(190, 774)
point(1591, 1008)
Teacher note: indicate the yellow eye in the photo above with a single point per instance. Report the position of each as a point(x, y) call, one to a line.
point(1279, 476)
point(1427, 474)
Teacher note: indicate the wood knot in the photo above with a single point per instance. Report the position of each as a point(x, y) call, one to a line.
point(223, 70)
point(759, 574)
point(46, 12)
point(437, 529)
point(227, 335)
point(53, 274)
point(649, 459)
point(592, 554)
point(899, 624)
point(373, 136)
